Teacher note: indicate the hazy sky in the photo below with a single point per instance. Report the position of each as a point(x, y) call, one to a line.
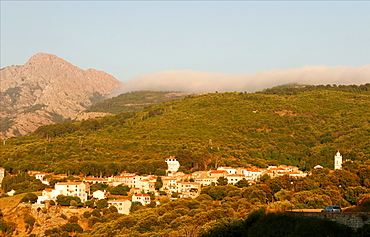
point(128, 39)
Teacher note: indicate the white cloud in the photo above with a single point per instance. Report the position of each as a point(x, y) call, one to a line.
point(203, 82)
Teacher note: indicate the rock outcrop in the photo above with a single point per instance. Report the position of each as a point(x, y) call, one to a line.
point(45, 90)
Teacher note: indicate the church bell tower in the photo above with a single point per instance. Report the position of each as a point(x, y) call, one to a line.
point(338, 161)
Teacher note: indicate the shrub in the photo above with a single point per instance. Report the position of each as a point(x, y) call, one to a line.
point(102, 203)
point(72, 227)
point(96, 213)
point(86, 214)
point(113, 209)
point(73, 219)
point(92, 221)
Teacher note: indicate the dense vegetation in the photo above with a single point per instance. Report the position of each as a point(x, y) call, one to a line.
point(278, 224)
point(135, 101)
point(232, 129)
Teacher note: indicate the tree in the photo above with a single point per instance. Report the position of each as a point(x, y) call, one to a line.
point(158, 183)
point(96, 213)
point(86, 214)
point(73, 219)
point(283, 195)
point(216, 192)
point(30, 221)
point(354, 194)
point(66, 200)
point(264, 178)
point(364, 173)
point(90, 203)
point(119, 190)
point(72, 227)
point(278, 183)
point(113, 209)
point(229, 226)
point(222, 181)
point(98, 186)
point(253, 192)
point(93, 220)
point(242, 183)
point(29, 197)
point(73, 203)
point(102, 203)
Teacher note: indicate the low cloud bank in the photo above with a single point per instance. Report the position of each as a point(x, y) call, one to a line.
point(204, 82)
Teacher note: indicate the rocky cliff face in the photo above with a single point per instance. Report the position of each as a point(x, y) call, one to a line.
point(45, 90)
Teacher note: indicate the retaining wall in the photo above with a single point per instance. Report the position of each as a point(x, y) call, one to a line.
point(351, 219)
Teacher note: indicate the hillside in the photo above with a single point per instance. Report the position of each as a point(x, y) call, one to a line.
point(135, 101)
point(303, 129)
point(45, 90)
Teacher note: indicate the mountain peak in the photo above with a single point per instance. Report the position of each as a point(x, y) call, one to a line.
point(47, 89)
point(41, 58)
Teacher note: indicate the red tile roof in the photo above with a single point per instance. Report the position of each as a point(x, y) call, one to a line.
point(217, 171)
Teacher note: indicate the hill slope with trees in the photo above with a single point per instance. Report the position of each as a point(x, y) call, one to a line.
point(303, 128)
point(136, 101)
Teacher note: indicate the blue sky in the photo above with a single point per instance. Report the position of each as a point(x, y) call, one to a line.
point(128, 39)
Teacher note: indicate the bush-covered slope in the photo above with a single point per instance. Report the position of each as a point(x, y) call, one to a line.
point(234, 129)
point(136, 101)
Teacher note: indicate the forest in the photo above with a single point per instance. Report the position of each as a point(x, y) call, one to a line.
point(303, 129)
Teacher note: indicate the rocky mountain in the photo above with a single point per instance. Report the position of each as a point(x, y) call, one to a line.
point(45, 90)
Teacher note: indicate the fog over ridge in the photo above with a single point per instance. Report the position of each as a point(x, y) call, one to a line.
point(204, 82)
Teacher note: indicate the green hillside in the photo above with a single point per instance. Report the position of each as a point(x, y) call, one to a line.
point(136, 101)
point(304, 128)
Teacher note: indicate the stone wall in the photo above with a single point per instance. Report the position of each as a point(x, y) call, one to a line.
point(352, 219)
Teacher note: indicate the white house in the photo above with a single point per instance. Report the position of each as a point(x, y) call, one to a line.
point(11, 192)
point(253, 173)
point(130, 180)
point(40, 176)
point(234, 178)
point(206, 181)
point(169, 185)
point(146, 185)
point(188, 189)
point(123, 205)
point(48, 194)
point(78, 189)
point(96, 180)
point(217, 173)
point(142, 198)
point(75, 189)
point(228, 169)
point(100, 194)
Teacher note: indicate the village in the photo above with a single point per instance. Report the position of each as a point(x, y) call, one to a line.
point(174, 185)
